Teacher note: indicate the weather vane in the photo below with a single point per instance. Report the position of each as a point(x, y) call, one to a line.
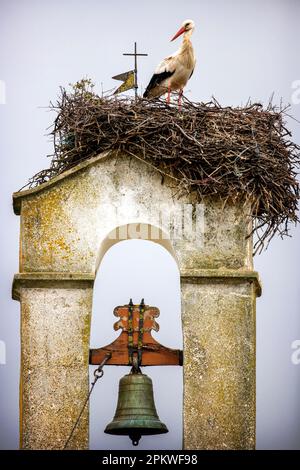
point(129, 78)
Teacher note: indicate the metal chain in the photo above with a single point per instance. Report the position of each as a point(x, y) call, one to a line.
point(98, 373)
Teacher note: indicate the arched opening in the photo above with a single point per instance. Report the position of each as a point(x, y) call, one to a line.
point(135, 231)
point(137, 268)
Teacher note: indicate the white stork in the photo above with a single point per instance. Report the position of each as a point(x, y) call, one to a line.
point(173, 73)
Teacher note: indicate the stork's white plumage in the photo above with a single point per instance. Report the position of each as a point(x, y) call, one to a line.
point(173, 73)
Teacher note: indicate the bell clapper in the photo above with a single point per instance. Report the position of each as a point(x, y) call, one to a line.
point(135, 438)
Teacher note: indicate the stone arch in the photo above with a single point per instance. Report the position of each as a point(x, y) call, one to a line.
point(132, 231)
point(63, 223)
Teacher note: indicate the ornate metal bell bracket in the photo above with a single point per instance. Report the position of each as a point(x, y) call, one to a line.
point(152, 352)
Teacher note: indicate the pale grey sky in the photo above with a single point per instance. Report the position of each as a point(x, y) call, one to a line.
point(244, 48)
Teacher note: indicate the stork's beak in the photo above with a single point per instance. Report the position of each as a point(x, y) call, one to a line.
point(182, 30)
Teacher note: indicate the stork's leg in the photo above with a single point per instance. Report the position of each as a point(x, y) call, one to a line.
point(169, 94)
point(179, 98)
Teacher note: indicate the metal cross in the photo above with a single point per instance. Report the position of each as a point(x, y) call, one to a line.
point(135, 54)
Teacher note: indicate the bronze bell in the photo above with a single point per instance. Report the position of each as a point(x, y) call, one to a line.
point(136, 414)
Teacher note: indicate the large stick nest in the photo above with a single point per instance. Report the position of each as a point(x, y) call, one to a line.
point(204, 148)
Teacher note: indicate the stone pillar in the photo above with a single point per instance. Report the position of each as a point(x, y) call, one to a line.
point(55, 328)
point(218, 315)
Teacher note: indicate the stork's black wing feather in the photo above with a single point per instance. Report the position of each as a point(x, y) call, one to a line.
point(156, 79)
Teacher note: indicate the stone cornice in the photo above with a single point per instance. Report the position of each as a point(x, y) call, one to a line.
point(50, 279)
point(217, 275)
point(63, 279)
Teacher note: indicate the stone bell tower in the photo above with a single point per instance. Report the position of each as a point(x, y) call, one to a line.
point(64, 233)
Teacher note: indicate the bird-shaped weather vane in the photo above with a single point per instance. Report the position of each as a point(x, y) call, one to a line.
point(129, 78)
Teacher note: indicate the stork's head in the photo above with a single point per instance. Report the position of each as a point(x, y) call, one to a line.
point(186, 27)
